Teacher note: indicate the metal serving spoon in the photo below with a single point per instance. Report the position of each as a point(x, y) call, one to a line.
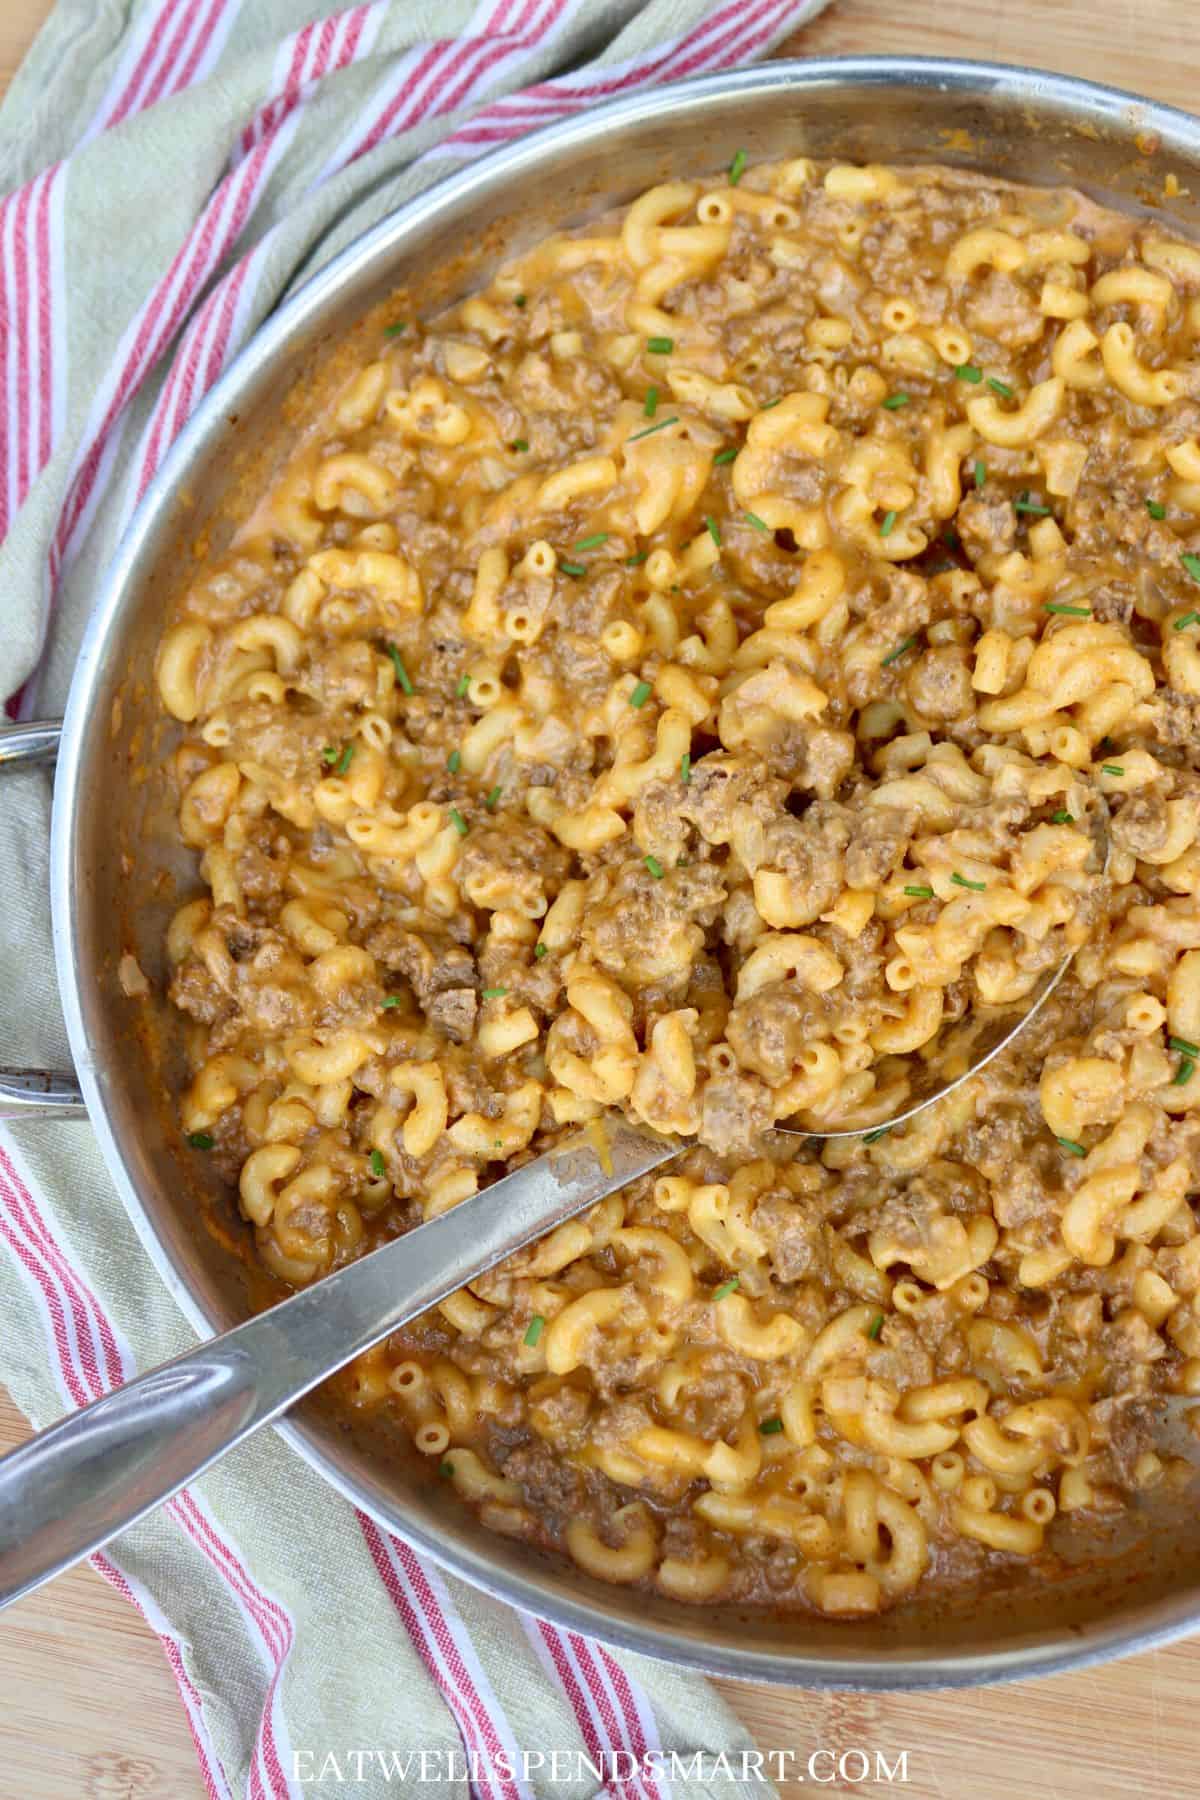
point(72, 1487)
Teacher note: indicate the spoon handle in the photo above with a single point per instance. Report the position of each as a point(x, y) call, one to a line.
point(68, 1490)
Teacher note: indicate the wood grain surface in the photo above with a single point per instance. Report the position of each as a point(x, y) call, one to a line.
point(87, 1705)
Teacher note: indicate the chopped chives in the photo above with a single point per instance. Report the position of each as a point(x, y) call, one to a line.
point(640, 694)
point(650, 406)
point(968, 372)
point(1191, 563)
point(454, 761)
point(889, 524)
point(520, 299)
point(1063, 817)
point(541, 950)
point(737, 167)
point(771, 1427)
point(876, 1326)
point(725, 456)
point(873, 1137)
point(758, 524)
point(573, 568)
point(685, 767)
point(591, 543)
point(1184, 1072)
point(898, 652)
point(519, 446)
point(714, 530)
point(1072, 612)
point(464, 682)
point(492, 798)
point(402, 674)
point(1111, 769)
point(1183, 1047)
point(980, 472)
point(459, 823)
point(1000, 387)
point(918, 892)
point(631, 562)
point(344, 760)
point(378, 1166)
point(655, 867)
point(1071, 1147)
point(660, 346)
point(1025, 505)
point(726, 1287)
point(977, 887)
point(894, 402)
point(1156, 509)
point(768, 404)
point(201, 1140)
point(396, 330)
point(393, 1000)
point(650, 429)
point(1191, 618)
point(446, 1470)
point(536, 1326)
point(494, 993)
point(329, 755)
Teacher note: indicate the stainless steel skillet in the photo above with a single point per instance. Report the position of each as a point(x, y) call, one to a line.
point(112, 872)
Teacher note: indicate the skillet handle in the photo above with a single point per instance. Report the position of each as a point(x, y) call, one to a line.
point(35, 1093)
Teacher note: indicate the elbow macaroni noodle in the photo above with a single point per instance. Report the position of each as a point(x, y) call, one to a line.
point(685, 678)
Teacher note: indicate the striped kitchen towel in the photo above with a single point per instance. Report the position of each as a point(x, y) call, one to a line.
point(176, 166)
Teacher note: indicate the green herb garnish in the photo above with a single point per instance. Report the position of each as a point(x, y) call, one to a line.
point(660, 346)
point(713, 529)
point(1191, 563)
point(541, 950)
point(980, 472)
point(758, 524)
point(464, 682)
point(1184, 1048)
point(491, 799)
point(898, 652)
point(726, 1287)
point(393, 1000)
point(977, 887)
point(536, 1327)
point(454, 761)
point(1000, 387)
point(396, 330)
point(1156, 509)
point(771, 1427)
point(1191, 618)
point(344, 760)
point(519, 446)
point(378, 1166)
point(655, 867)
point(1062, 817)
point(459, 823)
point(573, 568)
point(200, 1140)
point(894, 402)
point(640, 694)
point(650, 407)
point(1071, 1147)
point(591, 543)
point(631, 562)
point(651, 429)
point(737, 167)
point(446, 1470)
point(768, 404)
point(889, 524)
point(494, 993)
point(873, 1137)
point(876, 1326)
point(725, 456)
point(685, 767)
point(1184, 1072)
point(520, 299)
point(1071, 612)
point(968, 372)
point(1023, 504)
point(402, 675)
point(919, 893)
point(1111, 769)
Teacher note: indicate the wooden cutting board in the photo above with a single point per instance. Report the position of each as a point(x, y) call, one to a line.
point(87, 1705)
